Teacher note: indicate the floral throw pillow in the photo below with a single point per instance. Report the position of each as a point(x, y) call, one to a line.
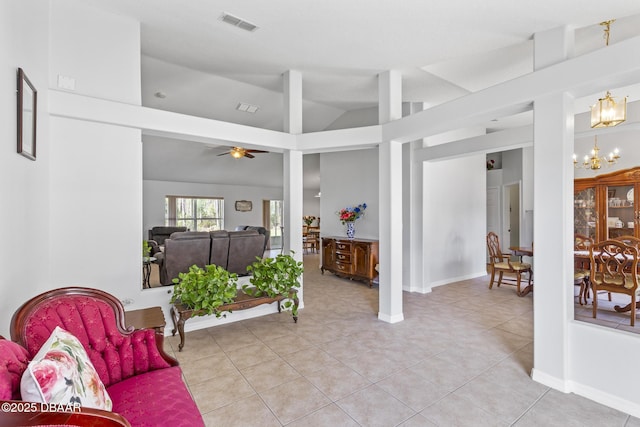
point(62, 373)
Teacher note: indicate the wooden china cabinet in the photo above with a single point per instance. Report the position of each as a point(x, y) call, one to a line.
point(606, 207)
point(352, 258)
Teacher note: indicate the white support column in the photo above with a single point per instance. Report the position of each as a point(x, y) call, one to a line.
point(293, 203)
point(389, 96)
point(292, 164)
point(390, 199)
point(553, 228)
point(292, 82)
point(414, 281)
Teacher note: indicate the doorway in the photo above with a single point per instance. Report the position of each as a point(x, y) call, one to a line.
point(272, 220)
point(511, 214)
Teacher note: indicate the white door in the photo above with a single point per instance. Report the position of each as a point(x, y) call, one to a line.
point(511, 215)
point(494, 219)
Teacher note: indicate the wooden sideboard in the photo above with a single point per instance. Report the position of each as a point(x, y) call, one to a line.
point(352, 258)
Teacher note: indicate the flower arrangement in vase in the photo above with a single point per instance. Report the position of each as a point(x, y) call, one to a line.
point(308, 219)
point(349, 215)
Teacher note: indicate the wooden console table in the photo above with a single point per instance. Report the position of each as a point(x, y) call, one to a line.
point(353, 258)
point(180, 314)
point(144, 318)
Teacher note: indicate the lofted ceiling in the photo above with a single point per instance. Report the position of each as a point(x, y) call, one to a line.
point(205, 67)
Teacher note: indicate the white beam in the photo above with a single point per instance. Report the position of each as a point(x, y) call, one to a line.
point(581, 76)
point(340, 140)
point(497, 141)
point(164, 123)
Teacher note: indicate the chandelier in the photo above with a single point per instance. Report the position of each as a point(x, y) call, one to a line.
point(607, 111)
point(594, 161)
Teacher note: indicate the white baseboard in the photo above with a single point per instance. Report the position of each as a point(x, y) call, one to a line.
point(391, 319)
point(458, 279)
point(589, 392)
point(607, 399)
point(550, 381)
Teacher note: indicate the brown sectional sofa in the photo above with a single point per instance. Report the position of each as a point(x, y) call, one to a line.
point(161, 233)
point(232, 250)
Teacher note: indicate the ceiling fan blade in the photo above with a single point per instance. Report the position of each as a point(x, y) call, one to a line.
point(257, 151)
point(222, 154)
point(251, 156)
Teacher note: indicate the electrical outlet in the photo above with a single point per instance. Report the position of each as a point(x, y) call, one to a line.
point(127, 301)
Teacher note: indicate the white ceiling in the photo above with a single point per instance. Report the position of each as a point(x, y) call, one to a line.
point(443, 49)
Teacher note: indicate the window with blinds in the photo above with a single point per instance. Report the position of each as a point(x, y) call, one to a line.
point(195, 213)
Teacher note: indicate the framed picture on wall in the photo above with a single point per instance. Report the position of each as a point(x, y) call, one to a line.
point(27, 115)
point(244, 205)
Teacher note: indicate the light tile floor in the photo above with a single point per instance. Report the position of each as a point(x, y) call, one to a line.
point(606, 315)
point(447, 364)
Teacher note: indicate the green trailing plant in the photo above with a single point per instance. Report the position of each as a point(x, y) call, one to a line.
point(146, 249)
point(205, 289)
point(275, 276)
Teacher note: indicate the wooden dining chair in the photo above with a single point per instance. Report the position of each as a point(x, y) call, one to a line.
point(629, 240)
point(614, 268)
point(501, 263)
point(581, 269)
point(310, 242)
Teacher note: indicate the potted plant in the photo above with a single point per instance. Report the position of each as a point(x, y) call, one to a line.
point(205, 289)
point(273, 277)
point(146, 249)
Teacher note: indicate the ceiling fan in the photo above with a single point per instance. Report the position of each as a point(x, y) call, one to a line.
point(238, 152)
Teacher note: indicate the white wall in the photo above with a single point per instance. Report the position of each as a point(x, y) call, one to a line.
point(348, 179)
point(454, 219)
point(99, 50)
point(511, 166)
point(356, 118)
point(154, 193)
point(96, 203)
point(24, 253)
point(311, 204)
point(96, 169)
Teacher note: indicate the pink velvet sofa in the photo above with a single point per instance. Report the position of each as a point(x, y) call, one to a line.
point(144, 383)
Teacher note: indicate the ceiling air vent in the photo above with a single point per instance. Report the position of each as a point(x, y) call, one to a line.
point(237, 22)
point(247, 108)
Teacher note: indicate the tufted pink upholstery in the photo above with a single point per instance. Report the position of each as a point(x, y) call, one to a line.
point(114, 355)
point(168, 407)
point(13, 361)
point(144, 383)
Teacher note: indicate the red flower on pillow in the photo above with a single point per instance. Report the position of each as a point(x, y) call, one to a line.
point(47, 376)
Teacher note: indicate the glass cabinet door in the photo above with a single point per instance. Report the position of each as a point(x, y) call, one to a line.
point(584, 215)
point(620, 211)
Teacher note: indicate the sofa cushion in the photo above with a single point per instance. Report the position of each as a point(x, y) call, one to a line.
point(244, 247)
point(189, 235)
point(92, 321)
point(13, 362)
point(182, 251)
point(61, 372)
point(157, 398)
point(219, 248)
point(162, 233)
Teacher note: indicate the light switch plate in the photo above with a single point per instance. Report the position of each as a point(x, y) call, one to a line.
point(65, 82)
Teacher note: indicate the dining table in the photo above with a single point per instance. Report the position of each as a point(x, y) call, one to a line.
point(583, 259)
point(521, 251)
